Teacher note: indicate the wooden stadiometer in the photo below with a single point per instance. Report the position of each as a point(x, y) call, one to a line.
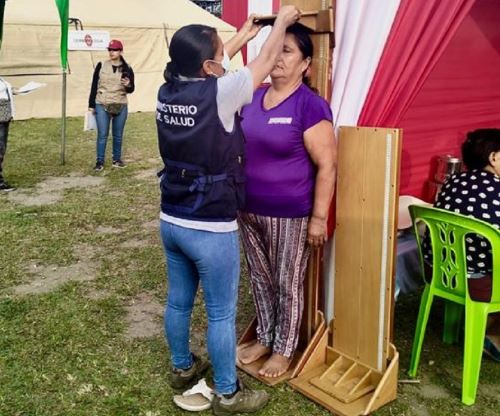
point(318, 17)
point(354, 367)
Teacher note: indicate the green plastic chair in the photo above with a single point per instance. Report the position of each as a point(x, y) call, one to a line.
point(448, 231)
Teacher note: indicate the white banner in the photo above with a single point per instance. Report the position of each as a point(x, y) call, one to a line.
point(361, 30)
point(88, 40)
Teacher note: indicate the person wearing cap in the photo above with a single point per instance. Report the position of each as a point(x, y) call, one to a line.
point(113, 79)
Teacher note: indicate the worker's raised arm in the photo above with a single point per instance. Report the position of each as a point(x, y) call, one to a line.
point(263, 64)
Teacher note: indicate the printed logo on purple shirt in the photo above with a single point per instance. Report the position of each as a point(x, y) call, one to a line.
point(280, 120)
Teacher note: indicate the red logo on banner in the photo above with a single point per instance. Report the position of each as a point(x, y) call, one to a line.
point(88, 40)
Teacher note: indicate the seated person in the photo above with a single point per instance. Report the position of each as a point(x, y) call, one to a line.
point(476, 193)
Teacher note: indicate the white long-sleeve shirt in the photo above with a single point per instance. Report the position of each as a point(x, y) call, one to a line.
point(6, 93)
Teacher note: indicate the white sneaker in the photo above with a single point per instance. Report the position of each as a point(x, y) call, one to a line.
point(197, 398)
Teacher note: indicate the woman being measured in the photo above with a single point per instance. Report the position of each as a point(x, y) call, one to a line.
point(290, 177)
point(202, 187)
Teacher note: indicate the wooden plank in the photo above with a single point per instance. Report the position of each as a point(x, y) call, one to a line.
point(253, 368)
point(306, 5)
point(318, 355)
point(321, 333)
point(337, 407)
point(385, 391)
point(349, 231)
point(321, 68)
point(388, 388)
point(299, 360)
point(371, 245)
point(366, 204)
point(393, 232)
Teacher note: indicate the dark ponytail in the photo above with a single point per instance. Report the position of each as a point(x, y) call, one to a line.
point(190, 46)
point(170, 72)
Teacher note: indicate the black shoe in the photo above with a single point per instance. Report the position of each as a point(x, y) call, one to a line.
point(5, 187)
point(180, 379)
point(118, 163)
point(99, 166)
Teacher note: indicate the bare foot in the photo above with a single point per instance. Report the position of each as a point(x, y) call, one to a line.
point(253, 352)
point(275, 366)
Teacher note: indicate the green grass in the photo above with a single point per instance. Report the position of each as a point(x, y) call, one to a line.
point(65, 353)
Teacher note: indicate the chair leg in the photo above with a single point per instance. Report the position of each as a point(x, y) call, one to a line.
point(453, 313)
point(423, 316)
point(475, 329)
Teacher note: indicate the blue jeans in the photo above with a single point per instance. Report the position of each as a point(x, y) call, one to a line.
point(103, 119)
point(213, 259)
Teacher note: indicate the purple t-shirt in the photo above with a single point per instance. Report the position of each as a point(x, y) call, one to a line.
point(279, 172)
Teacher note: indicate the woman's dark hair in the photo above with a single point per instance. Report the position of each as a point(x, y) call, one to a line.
point(305, 45)
point(478, 146)
point(190, 46)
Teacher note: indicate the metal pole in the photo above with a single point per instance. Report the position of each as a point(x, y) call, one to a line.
point(63, 115)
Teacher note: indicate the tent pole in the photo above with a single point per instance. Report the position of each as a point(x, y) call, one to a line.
point(63, 115)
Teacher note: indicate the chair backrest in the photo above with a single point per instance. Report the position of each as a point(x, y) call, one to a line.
point(448, 231)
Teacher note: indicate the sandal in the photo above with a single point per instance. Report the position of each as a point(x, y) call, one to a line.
point(196, 399)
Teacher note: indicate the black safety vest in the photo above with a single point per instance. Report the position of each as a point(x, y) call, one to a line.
point(203, 175)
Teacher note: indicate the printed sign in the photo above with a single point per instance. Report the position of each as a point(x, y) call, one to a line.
point(88, 40)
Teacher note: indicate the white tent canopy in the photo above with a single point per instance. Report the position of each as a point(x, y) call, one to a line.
point(30, 48)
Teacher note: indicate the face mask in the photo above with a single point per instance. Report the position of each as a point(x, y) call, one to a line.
point(225, 64)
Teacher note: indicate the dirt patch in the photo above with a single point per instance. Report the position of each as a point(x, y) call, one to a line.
point(418, 409)
point(96, 294)
point(151, 225)
point(108, 230)
point(84, 252)
point(134, 243)
point(48, 278)
point(147, 174)
point(144, 317)
point(156, 160)
point(31, 199)
point(51, 189)
point(491, 390)
point(433, 391)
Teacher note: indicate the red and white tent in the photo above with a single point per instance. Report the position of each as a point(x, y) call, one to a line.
point(430, 67)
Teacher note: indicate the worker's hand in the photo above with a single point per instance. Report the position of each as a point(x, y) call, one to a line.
point(288, 15)
point(250, 28)
point(92, 109)
point(125, 82)
point(317, 232)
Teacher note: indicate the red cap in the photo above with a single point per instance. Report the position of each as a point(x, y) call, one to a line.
point(115, 44)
